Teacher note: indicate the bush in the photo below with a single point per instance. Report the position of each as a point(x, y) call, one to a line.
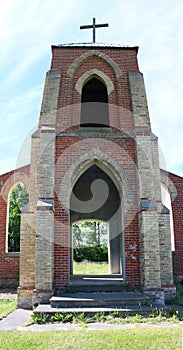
point(97, 253)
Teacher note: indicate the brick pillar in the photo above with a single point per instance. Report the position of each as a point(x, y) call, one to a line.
point(149, 240)
point(44, 252)
point(45, 217)
point(27, 260)
point(50, 98)
point(34, 170)
point(28, 233)
point(149, 189)
point(166, 254)
point(37, 231)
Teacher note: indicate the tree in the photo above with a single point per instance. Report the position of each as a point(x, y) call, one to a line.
point(90, 241)
point(94, 232)
point(77, 236)
point(89, 233)
point(18, 198)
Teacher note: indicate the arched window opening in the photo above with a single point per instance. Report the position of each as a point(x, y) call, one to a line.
point(18, 198)
point(94, 104)
point(166, 200)
point(90, 247)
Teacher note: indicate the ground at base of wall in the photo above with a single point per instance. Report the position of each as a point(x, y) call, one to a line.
point(8, 294)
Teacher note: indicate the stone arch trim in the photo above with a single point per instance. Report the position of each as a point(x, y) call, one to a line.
point(165, 180)
point(12, 181)
point(94, 72)
point(105, 162)
point(74, 66)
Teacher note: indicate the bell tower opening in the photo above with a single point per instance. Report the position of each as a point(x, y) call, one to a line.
point(94, 104)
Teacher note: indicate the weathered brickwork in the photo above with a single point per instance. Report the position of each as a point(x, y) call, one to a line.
point(166, 266)
point(126, 151)
point(175, 185)
point(9, 262)
point(107, 149)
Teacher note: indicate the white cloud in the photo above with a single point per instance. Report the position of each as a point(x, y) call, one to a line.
point(18, 116)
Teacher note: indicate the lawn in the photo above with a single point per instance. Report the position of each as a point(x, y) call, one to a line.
point(90, 268)
point(156, 338)
point(6, 307)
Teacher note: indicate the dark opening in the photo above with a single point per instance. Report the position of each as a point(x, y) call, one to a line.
point(95, 198)
point(94, 104)
point(89, 202)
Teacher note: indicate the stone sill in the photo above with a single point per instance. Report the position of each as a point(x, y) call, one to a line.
point(12, 255)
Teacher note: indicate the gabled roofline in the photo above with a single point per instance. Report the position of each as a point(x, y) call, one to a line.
point(95, 45)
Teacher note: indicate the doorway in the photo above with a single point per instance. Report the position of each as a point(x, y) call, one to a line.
point(96, 206)
point(90, 247)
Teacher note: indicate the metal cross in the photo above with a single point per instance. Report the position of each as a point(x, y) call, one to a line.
point(94, 26)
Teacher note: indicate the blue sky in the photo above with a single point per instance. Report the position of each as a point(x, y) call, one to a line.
point(27, 31)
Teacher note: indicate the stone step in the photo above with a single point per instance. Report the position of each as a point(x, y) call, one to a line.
point(99, 299)
point(95, 284)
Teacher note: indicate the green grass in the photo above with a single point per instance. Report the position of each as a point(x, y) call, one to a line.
point(161, 338)
point(90, 268)
point(6, 307)
point(179, 295)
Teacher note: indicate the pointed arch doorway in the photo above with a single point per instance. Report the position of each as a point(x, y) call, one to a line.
point(95, 197)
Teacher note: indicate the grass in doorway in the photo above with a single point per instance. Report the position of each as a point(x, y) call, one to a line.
point(90, 268)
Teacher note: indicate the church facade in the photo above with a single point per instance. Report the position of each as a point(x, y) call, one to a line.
point(94, 157)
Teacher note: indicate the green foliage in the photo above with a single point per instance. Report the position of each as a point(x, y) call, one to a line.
point(57, 318)
point(18, 198)
point(89, 233)
point(40, 319)
point(77, 236)
point(97, 317)
point(90, 241)
point(178, 299)
point(43, 318)
point(174, 313)
point(118, 317)
point(80, 318)
point(96, 253)
point(63, 317)
point(138, 318)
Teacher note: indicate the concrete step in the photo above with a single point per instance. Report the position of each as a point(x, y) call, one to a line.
point(99, 299)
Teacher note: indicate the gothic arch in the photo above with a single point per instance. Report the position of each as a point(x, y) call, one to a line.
point(169, 184)
point(94, 104)
point(94, 73)
point(74, 66)
point(12, 181)
point(95, 197)
point(167, 201)
point(107, 163)
point(16, 242)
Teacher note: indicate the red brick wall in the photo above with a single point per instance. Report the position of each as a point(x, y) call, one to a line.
point(121, 121)
point(125, 58)
point(177, 209)
point(75, 146)
point(9, 262)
